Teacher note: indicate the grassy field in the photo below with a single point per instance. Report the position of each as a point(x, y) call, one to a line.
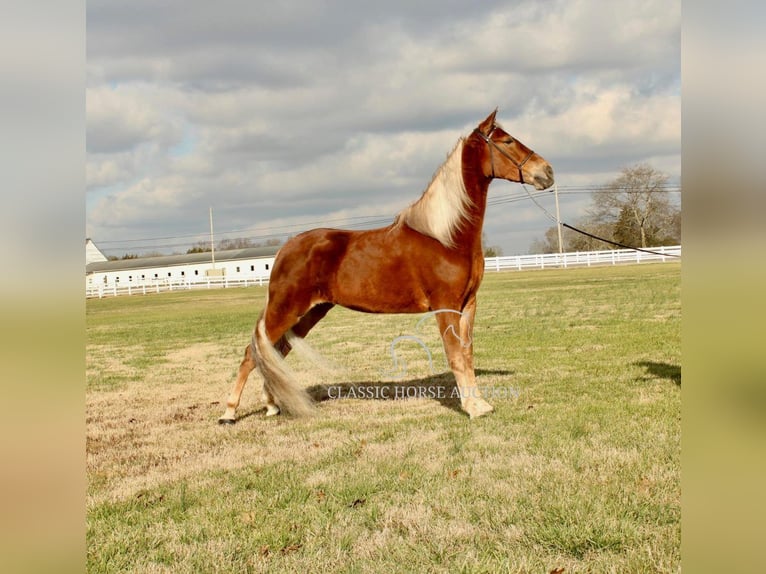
point(578, 468)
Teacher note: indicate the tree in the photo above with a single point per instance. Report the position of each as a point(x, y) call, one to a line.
point(633, 209)
point(490, 250)
point(236, 243)
point(548, 244)
point(571, 240)
point(636, 206)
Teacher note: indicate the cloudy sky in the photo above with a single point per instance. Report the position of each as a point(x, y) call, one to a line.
point(283, 116)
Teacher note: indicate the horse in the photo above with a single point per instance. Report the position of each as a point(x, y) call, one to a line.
point(429, 259)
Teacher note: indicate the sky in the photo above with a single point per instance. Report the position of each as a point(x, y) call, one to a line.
point(284, 116)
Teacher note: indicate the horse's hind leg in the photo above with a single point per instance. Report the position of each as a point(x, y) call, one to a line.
point(299, 329)
point(304, 325)
point(245, 368)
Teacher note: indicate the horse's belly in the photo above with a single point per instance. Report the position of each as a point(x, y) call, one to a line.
point(393, 292)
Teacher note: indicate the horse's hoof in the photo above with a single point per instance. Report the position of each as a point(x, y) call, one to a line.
point(272, 410)
point(223, 421)
point(478, 408)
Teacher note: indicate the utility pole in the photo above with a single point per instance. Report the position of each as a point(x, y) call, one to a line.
point(558, 217)
point(212, 242)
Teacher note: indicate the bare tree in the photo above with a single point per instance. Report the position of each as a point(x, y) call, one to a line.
point(633, 209)
point(572, 241)
point(636, 206)
point(490, 250)
point(549, 243)
point(236, 243)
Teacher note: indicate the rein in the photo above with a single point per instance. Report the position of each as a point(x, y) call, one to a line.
point(491, 144)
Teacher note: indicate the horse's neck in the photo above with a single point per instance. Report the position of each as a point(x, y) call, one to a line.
point(451, 210)
point(469, 234)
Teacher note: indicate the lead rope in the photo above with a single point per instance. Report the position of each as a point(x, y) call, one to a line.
point(573, 228)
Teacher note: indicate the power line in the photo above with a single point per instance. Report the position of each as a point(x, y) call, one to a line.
point(355, 222)
point(243, 230)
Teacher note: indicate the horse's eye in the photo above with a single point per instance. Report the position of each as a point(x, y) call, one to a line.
point(509, 140)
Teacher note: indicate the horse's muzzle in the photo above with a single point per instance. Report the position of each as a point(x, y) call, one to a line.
point(544, 179)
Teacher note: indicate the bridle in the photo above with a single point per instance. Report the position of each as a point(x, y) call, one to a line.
point(488, 138)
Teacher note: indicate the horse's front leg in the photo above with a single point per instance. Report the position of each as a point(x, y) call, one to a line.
point(457, 337)
point(474, 404)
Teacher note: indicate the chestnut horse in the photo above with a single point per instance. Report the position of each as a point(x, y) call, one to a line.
point(430, 258)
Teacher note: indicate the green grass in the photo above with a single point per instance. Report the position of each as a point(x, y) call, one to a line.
point(577, 468)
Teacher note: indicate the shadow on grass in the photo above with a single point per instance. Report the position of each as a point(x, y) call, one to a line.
point(662, 370)
point(440, 387)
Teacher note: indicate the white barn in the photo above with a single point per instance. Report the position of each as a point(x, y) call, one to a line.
point(144, 274)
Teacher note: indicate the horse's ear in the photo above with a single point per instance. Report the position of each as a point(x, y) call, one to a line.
point(486, 126)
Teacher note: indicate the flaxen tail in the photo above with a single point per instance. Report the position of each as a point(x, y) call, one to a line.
point(278, 380)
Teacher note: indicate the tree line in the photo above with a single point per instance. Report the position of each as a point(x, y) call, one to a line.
point(633, 209)
point(237, 243)
point(205, 247)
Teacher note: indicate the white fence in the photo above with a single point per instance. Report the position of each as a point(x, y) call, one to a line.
point(581, 259)
point(162, 285)
point(509, 263)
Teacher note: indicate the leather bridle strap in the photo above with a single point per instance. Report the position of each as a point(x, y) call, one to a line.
point(492, 144)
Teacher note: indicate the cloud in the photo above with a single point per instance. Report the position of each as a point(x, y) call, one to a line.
point(309, 110)
point(122, 118)
point(102, 172)
point(609, 123)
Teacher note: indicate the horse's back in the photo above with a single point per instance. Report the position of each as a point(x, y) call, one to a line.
point(310, 257)
point(362, 270)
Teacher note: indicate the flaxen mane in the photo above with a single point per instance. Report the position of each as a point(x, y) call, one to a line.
point(443, 207)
